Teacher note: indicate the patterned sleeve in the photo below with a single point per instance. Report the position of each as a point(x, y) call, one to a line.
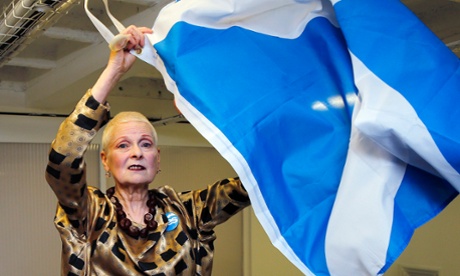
point(216, 204)
point(66, 171)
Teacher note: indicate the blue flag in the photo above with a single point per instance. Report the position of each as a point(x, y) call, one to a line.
point(338, 116)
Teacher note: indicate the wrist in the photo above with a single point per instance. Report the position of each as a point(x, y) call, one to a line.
point(105, 83)
point(112, 74)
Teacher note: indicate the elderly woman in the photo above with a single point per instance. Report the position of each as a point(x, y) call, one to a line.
point(129, 230)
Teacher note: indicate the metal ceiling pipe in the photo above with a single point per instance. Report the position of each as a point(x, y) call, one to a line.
point(15, 16)
point(24, 20)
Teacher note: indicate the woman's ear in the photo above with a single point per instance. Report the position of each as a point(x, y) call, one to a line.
point(104, 160)
point(158, 157)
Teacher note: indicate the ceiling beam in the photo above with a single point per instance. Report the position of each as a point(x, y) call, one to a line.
point(453, 44)
point(36, 63)
point(73, 35)
point(12, 86)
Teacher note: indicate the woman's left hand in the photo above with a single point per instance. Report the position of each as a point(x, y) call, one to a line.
point(132, 38)
point(120, 61)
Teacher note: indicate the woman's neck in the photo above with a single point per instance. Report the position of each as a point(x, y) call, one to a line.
point(134, 201)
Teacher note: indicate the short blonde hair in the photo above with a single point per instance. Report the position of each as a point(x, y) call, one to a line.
point(125, 117)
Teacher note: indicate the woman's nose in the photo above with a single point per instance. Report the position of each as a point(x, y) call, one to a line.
point(136, 152)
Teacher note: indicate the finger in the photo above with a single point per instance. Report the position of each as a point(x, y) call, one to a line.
point(136, 39)
point(138, 34)
point(130, 38)
point(119, 42)
point(145, 30)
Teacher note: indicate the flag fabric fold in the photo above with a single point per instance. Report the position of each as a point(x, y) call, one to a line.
point(337, 116)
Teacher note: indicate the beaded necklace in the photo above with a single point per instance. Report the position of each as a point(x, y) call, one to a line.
point(126, 224)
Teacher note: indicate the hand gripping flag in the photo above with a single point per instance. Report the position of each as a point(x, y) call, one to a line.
point(338, 116)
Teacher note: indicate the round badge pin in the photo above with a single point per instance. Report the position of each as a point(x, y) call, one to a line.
point(173, 221)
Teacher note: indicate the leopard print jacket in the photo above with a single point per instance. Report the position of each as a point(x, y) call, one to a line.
point(92, 241)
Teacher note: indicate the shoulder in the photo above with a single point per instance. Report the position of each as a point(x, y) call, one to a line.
point(96, 198)
point(93, 191)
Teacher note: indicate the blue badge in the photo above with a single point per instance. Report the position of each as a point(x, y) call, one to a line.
point(173, 221)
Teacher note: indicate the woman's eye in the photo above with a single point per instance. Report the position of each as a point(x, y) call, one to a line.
point(146, 144)
point(122, 146)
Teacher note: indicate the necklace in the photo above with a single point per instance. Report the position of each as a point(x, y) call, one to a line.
point(126, 224)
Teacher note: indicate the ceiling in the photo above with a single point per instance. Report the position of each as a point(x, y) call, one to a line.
point(56, 66)
point(50, 71)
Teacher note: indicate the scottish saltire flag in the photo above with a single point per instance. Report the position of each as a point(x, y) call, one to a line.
point(338, 116)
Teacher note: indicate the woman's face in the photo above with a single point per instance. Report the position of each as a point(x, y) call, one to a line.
point(131, 155)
